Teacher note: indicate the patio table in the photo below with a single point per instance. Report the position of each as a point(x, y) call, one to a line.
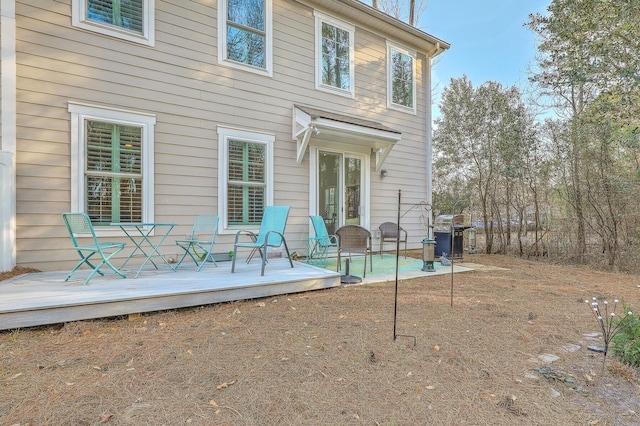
point(141, 239)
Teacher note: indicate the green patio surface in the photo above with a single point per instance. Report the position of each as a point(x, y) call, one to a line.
point(381, 265)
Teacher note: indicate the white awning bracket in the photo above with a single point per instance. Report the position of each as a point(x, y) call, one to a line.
point(319, 127)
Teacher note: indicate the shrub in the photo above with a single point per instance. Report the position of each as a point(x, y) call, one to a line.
point(626, 344)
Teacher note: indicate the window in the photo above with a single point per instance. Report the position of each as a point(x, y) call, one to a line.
point(111, 164)
point(245, 179)
point(113, 176)
point(131, 20)
point(334, 55)
point(244, 35)
point(401, 66)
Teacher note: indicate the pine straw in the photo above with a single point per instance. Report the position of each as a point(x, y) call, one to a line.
point(329, 357)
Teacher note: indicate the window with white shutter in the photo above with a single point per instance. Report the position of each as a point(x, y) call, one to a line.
point(113, 175)
point(111, 164)
point(245, 184)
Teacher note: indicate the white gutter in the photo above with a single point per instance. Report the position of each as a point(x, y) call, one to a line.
point(370, 18)
point(8, 135)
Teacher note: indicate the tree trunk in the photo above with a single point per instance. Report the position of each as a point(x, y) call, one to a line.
point(412, 12)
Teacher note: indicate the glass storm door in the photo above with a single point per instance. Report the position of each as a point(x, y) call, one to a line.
point(339, 189)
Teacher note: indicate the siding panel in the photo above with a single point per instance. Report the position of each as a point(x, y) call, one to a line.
point(179, 80)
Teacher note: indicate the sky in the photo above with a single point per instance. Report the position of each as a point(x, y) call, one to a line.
point(488, 40)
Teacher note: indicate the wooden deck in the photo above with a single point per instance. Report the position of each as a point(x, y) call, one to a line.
point(45, 298)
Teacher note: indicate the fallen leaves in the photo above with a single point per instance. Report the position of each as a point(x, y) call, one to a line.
point(7, 382)
point(225, 385)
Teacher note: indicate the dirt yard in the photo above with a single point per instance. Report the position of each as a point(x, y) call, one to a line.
point(511, 350)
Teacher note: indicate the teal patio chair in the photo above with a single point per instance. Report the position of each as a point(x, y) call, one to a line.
point(201, 241)
point(318, 246)
point(79, 226)
point(271, 234)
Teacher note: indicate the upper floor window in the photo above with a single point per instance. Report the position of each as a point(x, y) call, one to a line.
point(111, 164)
point(334, 55)
point(244, 34)
point(401, 86)
point(245, 177)
point(131, 20)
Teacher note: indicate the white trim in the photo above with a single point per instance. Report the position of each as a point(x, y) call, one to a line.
point(222, 41)
point(8, 138)
point(365, 192)
point(78, 19)
point(226, 133)
point(351, 29)
point(80, 112)
point(390, 104)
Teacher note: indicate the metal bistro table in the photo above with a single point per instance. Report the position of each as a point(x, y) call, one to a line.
point(143, 243)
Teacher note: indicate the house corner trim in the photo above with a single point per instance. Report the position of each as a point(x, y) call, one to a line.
point(8, 135)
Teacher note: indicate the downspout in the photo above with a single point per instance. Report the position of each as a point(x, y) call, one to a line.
point(429, 136)
point(8, 135)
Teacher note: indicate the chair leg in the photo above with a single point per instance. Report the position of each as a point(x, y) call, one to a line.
point(209, 255)
point(323, 257)
point(263, 255)
point(287, 250)
point(364, 275)
point(186, 252)
point(113, 268)
point(233, 259)
point(93, 273)
point(85, 259)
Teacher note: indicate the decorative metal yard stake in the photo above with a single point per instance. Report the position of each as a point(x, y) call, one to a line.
point(452, 243)
point(395, 306)
point(452, 240)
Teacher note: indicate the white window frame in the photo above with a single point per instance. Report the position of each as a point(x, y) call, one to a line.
point(391, 47)
point(222, 41)
point(80, 113)
point(365, 196)
point(231, 133)
point(324, 18)
point(79, 19)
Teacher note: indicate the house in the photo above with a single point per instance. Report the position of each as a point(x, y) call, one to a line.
point(159, 110)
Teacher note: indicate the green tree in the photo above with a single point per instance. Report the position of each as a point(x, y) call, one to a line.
point(588, 67)
point(480, 141)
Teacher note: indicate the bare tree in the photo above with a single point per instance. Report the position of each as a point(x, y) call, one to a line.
point(409, 11)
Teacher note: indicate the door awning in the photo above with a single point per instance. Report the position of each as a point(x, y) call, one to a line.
point(312, 124)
